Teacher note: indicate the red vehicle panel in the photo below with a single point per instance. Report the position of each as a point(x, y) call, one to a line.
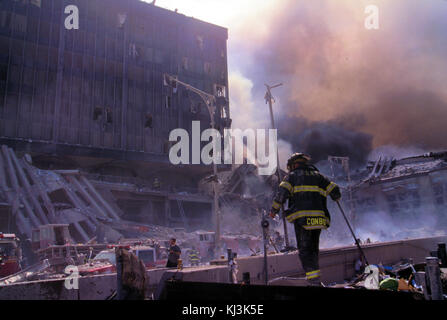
point(9, 267)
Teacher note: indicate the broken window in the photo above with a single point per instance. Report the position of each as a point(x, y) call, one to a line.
point(97, 113)
point(148, 121)
point(196, 108)
point(135, 51)
point(121, 19)
point(199, 40)
point(223, 113)
point(219, 91)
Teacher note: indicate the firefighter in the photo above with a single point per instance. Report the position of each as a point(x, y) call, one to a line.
point(174, 254)
point(307, 190)
point(194, 257)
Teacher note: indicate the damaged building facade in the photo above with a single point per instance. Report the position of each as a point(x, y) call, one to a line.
point(407, 196)
point(93, 101)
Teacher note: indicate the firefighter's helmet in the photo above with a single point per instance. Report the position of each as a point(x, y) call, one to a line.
point(297, 158)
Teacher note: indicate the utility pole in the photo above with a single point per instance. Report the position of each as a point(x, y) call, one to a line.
point(269, 98)
point(210, 102)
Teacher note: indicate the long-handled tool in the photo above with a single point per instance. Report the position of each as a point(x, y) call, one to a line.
point(352, 232)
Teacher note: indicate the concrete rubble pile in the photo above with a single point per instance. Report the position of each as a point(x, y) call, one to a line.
point(243, 195)
point(41, 197)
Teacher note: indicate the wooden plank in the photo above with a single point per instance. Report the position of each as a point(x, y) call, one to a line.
point(25, 183)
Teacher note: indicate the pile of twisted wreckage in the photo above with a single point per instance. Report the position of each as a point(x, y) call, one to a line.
point(60, 218)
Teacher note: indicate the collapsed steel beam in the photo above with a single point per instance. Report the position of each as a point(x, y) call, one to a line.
point(13, 199)
point(100, 198)
point(25, 183)
point(40, 188)
point(16, 186)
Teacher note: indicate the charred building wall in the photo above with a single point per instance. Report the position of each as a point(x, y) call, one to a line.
point(100, 88)
point(94, 98)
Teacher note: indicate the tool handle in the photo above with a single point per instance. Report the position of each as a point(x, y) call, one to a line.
point(352, 232)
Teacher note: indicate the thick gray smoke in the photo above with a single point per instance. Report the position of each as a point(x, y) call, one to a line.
point(323, 139)
point(380, 226)
point(389, 82)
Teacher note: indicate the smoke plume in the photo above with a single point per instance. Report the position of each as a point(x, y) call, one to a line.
point(347, 89)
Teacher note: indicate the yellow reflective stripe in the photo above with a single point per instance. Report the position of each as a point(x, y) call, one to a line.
point(330, 187)
point(302, 213)
point(313, 274)
point(297, 189)
point(276, 205)
point(314, 227)
point(286, 185)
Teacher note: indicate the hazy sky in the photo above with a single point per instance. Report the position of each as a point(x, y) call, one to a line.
point(387, 83)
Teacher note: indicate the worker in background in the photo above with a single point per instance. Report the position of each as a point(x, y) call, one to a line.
point(194, 258)
point(174, 254)
point(307, 190)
